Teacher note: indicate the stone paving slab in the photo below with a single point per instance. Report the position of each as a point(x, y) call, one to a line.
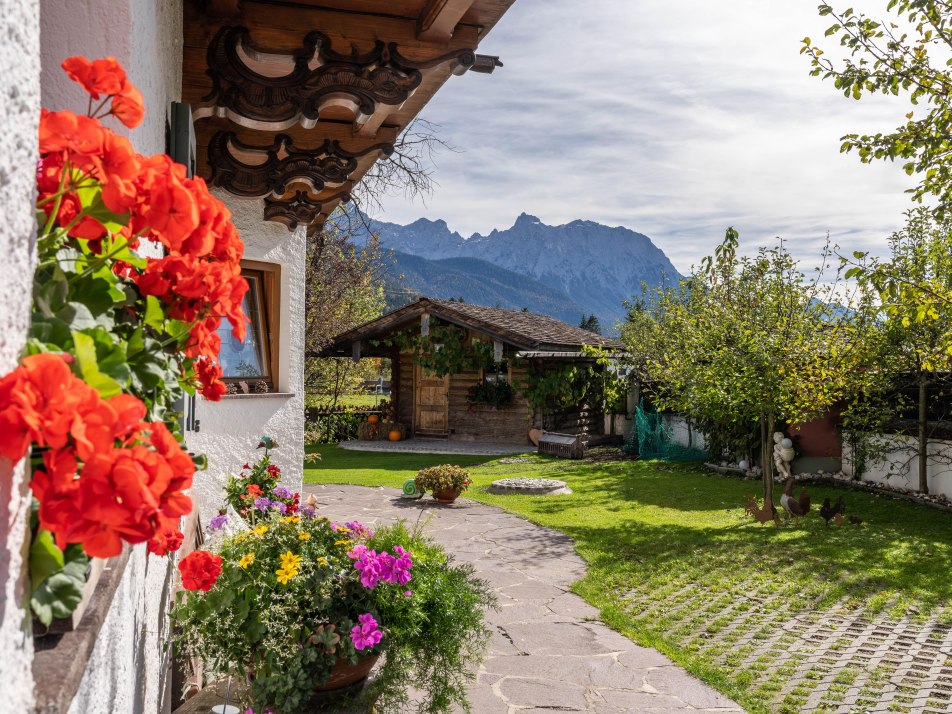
point(438, 446)
point(549, 651)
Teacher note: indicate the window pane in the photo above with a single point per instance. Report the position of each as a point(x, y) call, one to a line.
point(245, 360)
point(497, 374)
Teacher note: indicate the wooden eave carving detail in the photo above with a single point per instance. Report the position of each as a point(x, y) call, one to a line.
point(255, 171)
point(315, 77)
point(301, 209)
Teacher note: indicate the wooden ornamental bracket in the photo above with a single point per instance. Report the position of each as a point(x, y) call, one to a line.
point(262, 90)
point(301, 209)
point(254, 171)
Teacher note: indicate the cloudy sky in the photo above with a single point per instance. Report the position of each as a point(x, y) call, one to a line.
point(674, 118)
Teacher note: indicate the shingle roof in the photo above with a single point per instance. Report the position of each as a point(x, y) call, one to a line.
point(539, 329)
point(525, 330)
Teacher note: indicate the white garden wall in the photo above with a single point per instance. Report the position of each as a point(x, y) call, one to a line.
point(128, 669)
point(19, 115)
point(231, 428)
point(683, 433)
point(894, 472)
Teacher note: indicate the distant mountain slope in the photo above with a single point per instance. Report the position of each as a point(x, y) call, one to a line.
point(476, 281)
point(596, 267)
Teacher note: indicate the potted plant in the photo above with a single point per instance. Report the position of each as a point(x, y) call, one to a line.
point(304, 607)
point(446, 482)
point(255, 491)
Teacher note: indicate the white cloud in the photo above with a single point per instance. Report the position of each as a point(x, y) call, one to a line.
point(674, 118)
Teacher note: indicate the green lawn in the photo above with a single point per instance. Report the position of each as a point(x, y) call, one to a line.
point(675, 563)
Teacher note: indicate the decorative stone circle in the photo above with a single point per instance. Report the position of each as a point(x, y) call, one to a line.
point(529, 486)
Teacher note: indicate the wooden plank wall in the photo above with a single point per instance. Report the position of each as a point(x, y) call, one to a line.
point(509, 424)
point(585, 420)
point(403, 377)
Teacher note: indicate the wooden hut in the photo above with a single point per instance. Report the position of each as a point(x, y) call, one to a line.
point(460, 371)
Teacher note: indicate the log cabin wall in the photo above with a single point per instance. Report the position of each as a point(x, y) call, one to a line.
point(402, 378)
point(507, 424)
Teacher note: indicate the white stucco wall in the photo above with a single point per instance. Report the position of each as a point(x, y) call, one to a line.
point(897, 470)
point(684, 434)
point(128, 669)
point(19, 114)
point(230, 429)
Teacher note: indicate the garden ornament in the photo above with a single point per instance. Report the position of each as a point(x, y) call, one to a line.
point(782, 456)
point(410, 490)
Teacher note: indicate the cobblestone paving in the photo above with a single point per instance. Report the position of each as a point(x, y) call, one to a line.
point(844, 660)
point(549, 651)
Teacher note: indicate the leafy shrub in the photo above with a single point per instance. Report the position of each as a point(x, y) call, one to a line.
point(444, 477)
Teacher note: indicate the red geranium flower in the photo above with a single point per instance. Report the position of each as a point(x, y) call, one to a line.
point(254, 490)
point(101, 76)
point(166, 540)
point(200, 570)
point(127, 106)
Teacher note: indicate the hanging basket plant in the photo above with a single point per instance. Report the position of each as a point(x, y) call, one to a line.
point(493, 394)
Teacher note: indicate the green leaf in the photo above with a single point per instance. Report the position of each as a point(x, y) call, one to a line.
point(45, 558)
point(89, 367)
point(78, 316)
point(57, 594)
point(154, 314)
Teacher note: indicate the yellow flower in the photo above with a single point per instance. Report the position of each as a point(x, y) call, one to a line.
point(246, 560)
point(342, 529)
point(241, 536)
point(290, 561)
point(304, 536)
point(260, 530)
point(341, 542)
point(322, 561)
point(291, 519)
point(285, 574)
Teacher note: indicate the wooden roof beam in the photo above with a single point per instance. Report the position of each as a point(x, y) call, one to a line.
point(439, 18)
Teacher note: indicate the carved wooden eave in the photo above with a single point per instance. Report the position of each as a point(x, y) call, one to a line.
point(249, 88)
point(295, 100)
point(254, 171)
point(301, 209)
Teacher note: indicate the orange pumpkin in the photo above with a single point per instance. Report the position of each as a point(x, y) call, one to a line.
point(395, 435)
point(373, 419)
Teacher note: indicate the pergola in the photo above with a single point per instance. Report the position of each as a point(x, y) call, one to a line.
point(294, 101)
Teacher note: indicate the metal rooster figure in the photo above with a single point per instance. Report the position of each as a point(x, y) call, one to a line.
point(795, 507)
point(762, 515)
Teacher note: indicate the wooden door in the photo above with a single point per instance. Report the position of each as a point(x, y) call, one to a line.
point(431, 403)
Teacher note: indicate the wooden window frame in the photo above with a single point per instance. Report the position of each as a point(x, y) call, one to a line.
point(269, 276)
point(505, 361)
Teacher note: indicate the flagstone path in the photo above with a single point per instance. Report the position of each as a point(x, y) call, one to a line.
point(549, 651)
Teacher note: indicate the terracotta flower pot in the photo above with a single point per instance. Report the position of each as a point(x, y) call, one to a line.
point(446, 495)
point(344, 674)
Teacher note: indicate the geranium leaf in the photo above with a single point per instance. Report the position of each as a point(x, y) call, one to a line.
point(45, 558)
point(85, 348)
point(61, 590)
point(58, 596)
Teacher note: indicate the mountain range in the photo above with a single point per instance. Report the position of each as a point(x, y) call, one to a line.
point(566, 271)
